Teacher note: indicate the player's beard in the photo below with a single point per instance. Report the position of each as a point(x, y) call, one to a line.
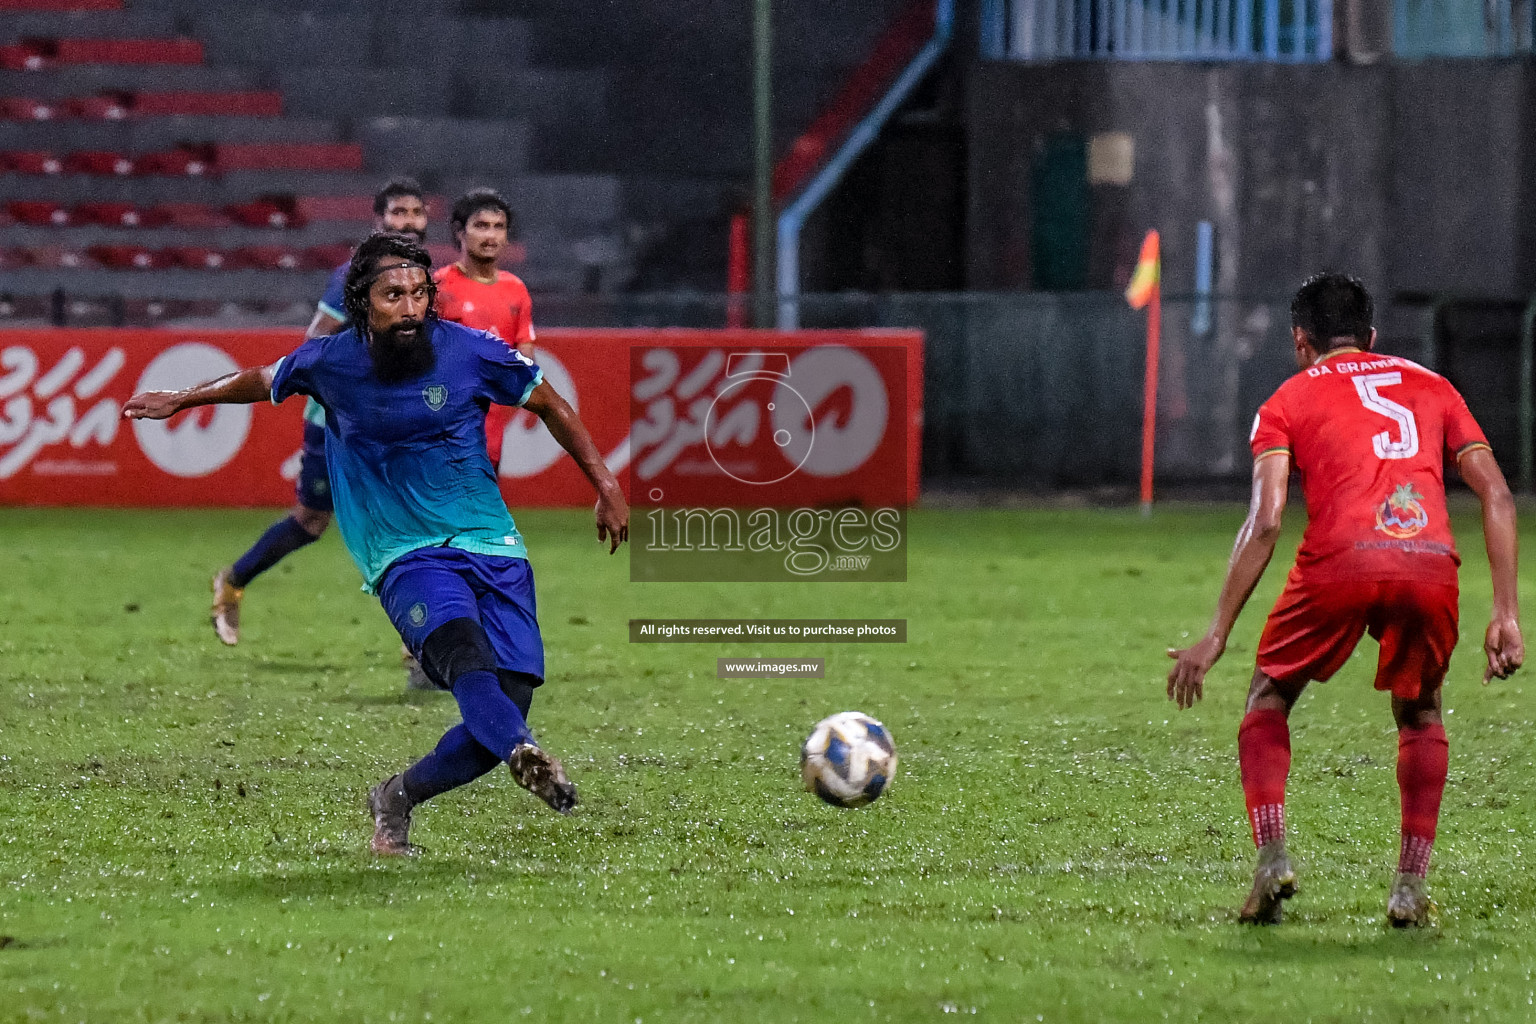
point(399, 353)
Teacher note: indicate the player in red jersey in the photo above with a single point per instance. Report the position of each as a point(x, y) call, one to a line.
point(1369, 436)
point(476, 293)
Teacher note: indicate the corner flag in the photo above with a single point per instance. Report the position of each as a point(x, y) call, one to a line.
point(1148, 273)
point(1145, 291)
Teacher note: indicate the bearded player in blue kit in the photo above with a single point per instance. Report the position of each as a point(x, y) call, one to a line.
point(416, 498)
point(398, 206)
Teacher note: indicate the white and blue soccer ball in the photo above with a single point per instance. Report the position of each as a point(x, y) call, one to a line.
point(848, 760)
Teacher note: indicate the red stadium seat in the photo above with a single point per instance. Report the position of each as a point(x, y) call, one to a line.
point(101, 162)
point(194, 257)
point(208, 104)
point(187, 215)
point(16, 108)
point(106, 107)
point(264, 213)
point(128, 51)
point(153, 311)
point(266, 257)
point(314, 208)
point(185, 162)
point(24, 307)
point(29, 55)
point(328, 256)
point(54, 257)
point(125, 257)
point(111, 215)
point(271, 156)
point(32, 162)
point(38, 214)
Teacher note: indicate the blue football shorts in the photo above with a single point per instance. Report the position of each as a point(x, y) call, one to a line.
point(430, 586)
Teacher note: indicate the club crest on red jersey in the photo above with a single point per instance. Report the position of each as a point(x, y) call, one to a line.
point(1402, 516)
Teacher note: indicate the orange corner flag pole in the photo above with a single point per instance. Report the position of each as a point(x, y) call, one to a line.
point(1145, 290)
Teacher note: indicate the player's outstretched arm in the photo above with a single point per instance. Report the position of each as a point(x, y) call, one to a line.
point(1503, 644)
point(243, 387)
point(566, 427)
point(1250, 556)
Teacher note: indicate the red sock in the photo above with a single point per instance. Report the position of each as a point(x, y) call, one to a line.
point(1423, 756)
point(1264, 754)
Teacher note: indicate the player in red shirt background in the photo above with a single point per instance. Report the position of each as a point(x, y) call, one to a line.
point(475, 292)
point(1369, 436)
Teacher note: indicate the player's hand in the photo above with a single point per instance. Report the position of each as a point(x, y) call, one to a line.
point(1186, 680)
point(1505, 648)
point(612, 514)
point(153, 405)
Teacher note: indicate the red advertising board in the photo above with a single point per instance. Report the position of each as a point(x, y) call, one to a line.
point(63, 440)
point(756, 418)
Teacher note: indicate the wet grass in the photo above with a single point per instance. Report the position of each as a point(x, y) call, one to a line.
point(181, 825)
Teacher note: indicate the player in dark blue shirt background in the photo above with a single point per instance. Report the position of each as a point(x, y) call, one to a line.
point(416, 497)
point(398, 206)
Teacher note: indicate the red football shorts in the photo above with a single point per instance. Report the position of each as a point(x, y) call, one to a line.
point(1315, 626)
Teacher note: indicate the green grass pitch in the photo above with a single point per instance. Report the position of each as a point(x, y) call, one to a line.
point(182, 833)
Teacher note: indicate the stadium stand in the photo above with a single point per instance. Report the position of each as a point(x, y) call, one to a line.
point(7, 6)
point(207, 134)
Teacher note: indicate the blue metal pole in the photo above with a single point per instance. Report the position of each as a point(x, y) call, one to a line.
point(1205, 258)
point(762, 159)
point(994, 29)
point(792, 220)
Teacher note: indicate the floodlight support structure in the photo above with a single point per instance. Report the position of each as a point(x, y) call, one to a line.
point(762, 169)
point(1527, 413)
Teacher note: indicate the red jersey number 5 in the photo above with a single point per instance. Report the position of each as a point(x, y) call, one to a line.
point(1368, 386)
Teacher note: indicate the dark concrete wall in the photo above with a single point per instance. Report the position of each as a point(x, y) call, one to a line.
point(1414, 176)
point(1460, 175)
point(681, 72)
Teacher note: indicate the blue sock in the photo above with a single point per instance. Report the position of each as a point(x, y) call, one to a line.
point(489, 714)
point(282, 538)
point(458, 759)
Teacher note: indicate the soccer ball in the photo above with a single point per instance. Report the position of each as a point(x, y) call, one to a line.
point(848, 760)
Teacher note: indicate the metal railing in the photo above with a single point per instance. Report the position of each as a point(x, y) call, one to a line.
point(1460, 28)
point(1285, 31)
point(1043, 390)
